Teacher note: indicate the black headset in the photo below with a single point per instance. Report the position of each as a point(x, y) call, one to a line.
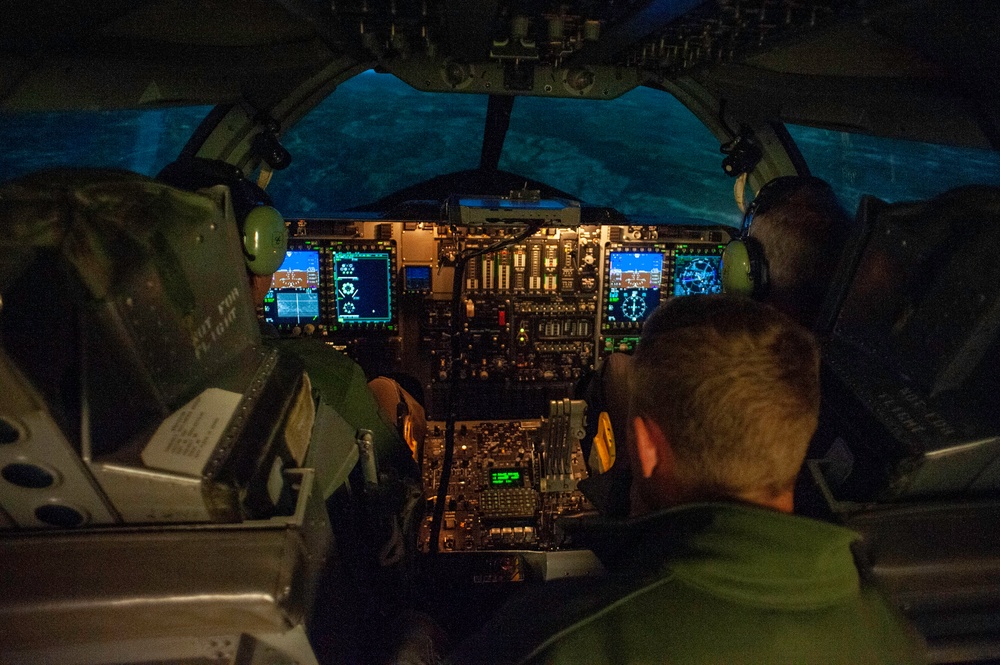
point(744, 265)
point(262, 228)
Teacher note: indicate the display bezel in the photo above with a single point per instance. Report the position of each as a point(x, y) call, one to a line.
point(341, 298)
point(608, 305)
point(418, 284)
point(682, 257)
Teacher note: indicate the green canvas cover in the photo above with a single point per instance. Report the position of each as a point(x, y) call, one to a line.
point(150, 278)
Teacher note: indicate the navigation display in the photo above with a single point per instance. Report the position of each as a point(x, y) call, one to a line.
point(694, 274)
point(417, 279)
point(634, 285)
point(294, 294)
point(362, 283)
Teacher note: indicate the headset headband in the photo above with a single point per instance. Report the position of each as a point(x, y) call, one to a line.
point(775, 192)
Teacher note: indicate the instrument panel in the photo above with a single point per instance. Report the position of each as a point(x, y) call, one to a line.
point(502, 493)
point(534, 316)
point(330, 285)
point(637, 277)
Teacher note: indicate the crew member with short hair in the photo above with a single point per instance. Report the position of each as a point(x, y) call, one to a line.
point(724, 399)
point(789, 246)
point(791, 240)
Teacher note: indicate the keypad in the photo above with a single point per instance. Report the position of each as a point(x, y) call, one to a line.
point(515, 502)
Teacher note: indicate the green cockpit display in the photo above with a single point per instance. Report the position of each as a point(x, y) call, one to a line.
point(505, 478)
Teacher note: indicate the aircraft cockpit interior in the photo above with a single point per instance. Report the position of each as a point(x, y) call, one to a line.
point(232, 232)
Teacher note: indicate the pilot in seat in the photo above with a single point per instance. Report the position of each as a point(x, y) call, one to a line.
point(724, 400)
point(376, 543)
point(791, 240)
point(340, 381)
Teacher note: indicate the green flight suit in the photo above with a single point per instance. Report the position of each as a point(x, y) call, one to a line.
point(342, 385)
point(706, 583)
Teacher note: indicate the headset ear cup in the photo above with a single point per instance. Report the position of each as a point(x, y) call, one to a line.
point(737, 272)
point(744, 269)
point(265, 240)
point(758, 267)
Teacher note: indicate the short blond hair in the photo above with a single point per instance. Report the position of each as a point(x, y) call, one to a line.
point(734, 385)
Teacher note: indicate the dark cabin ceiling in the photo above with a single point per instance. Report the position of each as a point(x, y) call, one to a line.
point(786, 59)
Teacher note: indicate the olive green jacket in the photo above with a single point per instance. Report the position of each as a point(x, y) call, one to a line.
point(706, 583)
point(342, 385)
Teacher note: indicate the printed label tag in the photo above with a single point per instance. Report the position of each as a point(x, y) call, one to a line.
point(184, 442)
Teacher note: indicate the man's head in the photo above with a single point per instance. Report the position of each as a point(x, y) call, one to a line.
point(795, 231)
point(262, 228)
point(724, 400)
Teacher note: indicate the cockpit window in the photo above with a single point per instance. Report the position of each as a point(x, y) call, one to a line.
point(138, 140)
point(374, 136)
point(891, 169)
point(643, 153)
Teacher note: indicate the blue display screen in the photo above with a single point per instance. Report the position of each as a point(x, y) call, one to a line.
point(417, 279)
point(294, 295)
point(694, 274)
point(634, 286)
point(362, 287)
point(507, 204)
point(297, 306)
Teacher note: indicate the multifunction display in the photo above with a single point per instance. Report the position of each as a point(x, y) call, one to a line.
point(633, 285)
point(696, 273)
point(329, 285)
point(363, 287)
point(639, 277)
point(294, 295)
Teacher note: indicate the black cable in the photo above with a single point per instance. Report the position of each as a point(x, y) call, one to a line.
point(722, 120)
point(450, 400)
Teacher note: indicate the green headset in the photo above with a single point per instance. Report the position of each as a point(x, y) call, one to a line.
point(262, 228)
point(744, 265)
